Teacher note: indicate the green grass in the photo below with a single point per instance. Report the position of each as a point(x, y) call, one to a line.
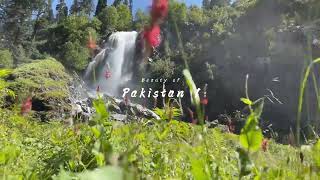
point(163, 150)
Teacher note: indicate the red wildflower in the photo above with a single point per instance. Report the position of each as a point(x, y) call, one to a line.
point(107, 75)
point(26, 106)
point(204, 101)
point(264, 145)
point(91, 43)
point(159, 10)
point(152, 35)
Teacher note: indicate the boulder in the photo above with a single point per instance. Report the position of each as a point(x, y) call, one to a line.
point(47, 82)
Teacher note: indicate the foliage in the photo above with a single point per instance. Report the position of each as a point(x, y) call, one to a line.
point(6, 60)
point(109, 17)
point(115, 18)
point(44, 77)
point(46, 82)
point(178, 11)
point(196, 15)
point(125, 19)
point(165, 67)
point(62, 10)
point(165, 149)
point(76, 55)
point(301, 96)
point(4, 86)
point(69, 39)
point(141, 20)
point(100, 6)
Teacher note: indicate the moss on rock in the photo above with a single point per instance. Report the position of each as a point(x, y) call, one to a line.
point(47, 82)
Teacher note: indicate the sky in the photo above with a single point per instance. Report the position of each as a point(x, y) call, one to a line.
point(137, 4)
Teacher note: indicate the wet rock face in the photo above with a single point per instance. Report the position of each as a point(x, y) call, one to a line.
point(118, 109)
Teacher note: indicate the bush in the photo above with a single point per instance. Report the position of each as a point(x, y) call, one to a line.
point(46, 81)
point(75, 55)
point(6, 60)
point(115, 19)
point(67, 41)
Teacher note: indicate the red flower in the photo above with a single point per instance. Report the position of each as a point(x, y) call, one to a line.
point(264, 145)
point(204, 101)
point(107, 75)
point(26, 106)
point(152, 35)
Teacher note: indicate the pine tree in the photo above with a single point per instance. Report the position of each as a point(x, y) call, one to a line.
point(117, 2)
point(206, 4)
point(17, 26)
point(75, 8)
point(62, 10)
point(100, 6)
point(86, 6)
point(131, 6)
point(219, 3)
point(50, 15)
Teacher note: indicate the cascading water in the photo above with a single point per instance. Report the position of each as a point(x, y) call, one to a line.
point(117, 57)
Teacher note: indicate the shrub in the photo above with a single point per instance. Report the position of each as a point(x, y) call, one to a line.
point(6, 60)
point(75, 55)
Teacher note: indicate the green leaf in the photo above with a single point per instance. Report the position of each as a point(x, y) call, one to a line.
point(246, 101)
point(4, 72)
point(258, 107)
point(101, 108)
point(316, 154)
point(108, 172)
point(245, 164)
point(198, 169)
point(251, 135)
point(96, 132)
point(192, 86)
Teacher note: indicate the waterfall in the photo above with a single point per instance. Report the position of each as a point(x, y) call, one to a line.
point(116, 57)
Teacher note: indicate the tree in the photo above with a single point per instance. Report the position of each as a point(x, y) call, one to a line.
point(206, 4)
point(67, 41)
point(75, 55)
point(6, 60)
point(219, 3)
point(62, 10)
point(141, 20)
point(86, 6)
point(117, 2)
point(178, 12)
point(75, 8)
point(125, 20)
point(50, 15)
point(109, 18)
point(100, 6)
point(196, 15)
point(131, 6)
point(17, 25)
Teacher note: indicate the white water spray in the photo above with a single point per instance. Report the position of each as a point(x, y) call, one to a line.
point(117, 57)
